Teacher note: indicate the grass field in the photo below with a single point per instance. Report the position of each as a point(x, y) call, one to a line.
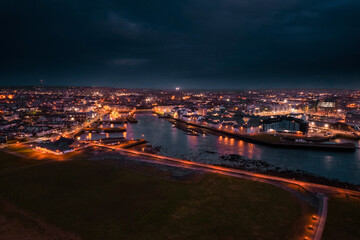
point(98, 201)
point(9, 161)
point(343, 219)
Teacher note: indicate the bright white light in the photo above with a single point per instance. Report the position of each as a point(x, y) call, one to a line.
point(177, 88)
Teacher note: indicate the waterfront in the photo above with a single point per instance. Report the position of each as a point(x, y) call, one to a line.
point(344, 166)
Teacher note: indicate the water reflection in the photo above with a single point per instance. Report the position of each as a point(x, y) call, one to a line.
point(328, 161)
point(192, 141)
point(232, 141)
point(251, 151)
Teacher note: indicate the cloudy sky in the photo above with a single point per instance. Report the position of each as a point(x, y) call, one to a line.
point(191, 44)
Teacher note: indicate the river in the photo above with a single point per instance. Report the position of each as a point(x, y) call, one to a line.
point(344, 166)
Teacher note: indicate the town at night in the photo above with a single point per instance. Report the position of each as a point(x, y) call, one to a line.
point(179, 120)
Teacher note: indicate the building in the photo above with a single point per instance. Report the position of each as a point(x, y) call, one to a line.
point(11, 117)
point(60, 146)
point(164, 110)
point(76, 116)
point(353, 118)
point(201, 111)
point(326, 106)
point(284, 124)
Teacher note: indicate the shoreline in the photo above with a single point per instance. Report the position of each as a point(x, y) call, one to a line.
point(259, 166)
point(236, 161)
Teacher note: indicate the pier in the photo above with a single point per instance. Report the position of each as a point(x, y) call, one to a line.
point(106, 130)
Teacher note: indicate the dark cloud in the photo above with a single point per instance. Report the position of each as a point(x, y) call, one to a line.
point(128, 62)
point(194, 43)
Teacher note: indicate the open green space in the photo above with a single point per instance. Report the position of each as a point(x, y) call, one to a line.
point(98, 201)
point(9, 161)
point(343, 219)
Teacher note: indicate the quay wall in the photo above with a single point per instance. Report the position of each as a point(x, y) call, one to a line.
point(251, 139)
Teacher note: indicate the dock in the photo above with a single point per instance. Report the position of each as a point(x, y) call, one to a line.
point(106, 130)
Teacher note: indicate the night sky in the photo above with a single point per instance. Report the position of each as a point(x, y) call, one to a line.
point(192, 44)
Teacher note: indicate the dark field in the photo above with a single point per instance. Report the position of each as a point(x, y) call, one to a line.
point(343, 219)
point(98, 201)
point(9, 162)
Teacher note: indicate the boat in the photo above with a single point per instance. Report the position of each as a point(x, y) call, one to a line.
point(131, 119)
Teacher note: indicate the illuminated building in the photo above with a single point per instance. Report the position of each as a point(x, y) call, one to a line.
point(353, 118)
point(289, 124)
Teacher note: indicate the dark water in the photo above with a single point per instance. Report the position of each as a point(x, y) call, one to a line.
point(175, 143)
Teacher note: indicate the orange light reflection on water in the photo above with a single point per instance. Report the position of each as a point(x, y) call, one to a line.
point(232, 141)
point(251, 150)
point(192, 141)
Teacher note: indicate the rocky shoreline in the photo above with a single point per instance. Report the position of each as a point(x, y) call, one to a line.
point(263, 167)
